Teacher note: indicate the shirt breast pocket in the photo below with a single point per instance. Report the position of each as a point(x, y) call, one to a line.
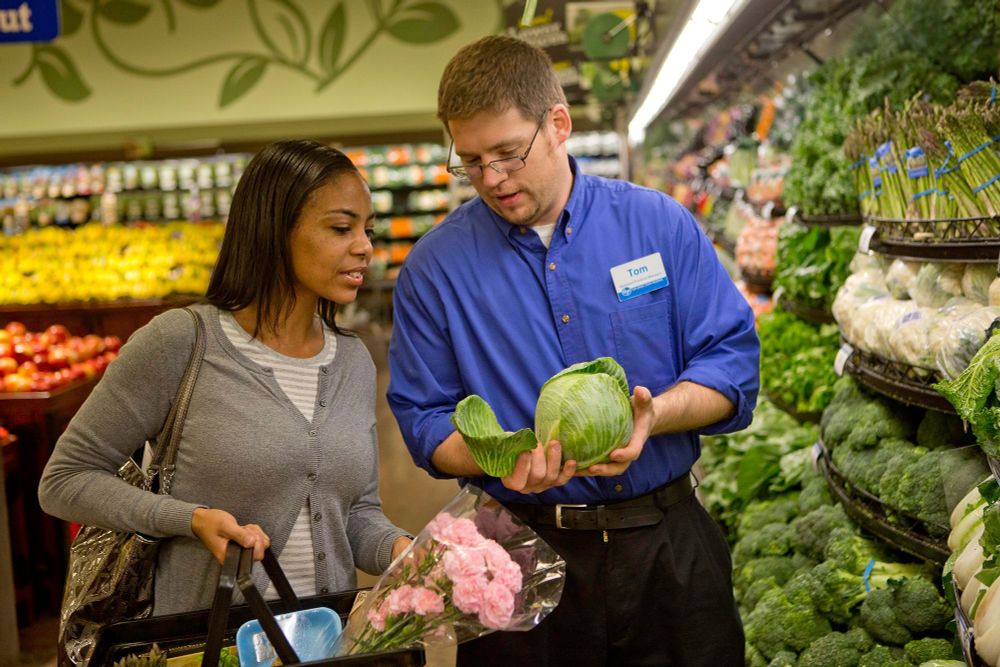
point(644, 345)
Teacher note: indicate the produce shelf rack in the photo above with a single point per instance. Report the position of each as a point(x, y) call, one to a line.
point(942, 239)
point(896, 380)
point(807, 313)
point(868, 511)
point(810, 417)
point(760, 281)
point(829, 220)
point(963, 628)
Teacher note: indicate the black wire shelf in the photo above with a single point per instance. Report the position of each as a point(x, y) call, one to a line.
point(943, 239)
point(760, 281)
point(897, 380)
point(963, 628)
point(829, 220)
point(801, 417)
point(898, 529)
point(807, 313)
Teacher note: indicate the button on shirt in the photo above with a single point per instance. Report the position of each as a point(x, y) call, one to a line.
point(482, 308)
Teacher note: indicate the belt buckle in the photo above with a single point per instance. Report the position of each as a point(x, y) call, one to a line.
point(559, 509)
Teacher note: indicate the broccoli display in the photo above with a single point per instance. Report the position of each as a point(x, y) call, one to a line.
point(782, 622)
point(924, 650)
point(893, 613)
point(814, 530)
point(784, 659)
point(883, 656)
point(837, 649)
point(774, 539)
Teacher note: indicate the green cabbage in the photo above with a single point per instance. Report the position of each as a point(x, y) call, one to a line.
point(586, 407)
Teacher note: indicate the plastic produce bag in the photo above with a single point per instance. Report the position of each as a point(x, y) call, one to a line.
point(909, 338)
point(859, 289)
point(952, 311)
point(937, 283)
point(878, 320)
point(976, 282)
point(473, 569)
point(994, 293)
point(900, 276)
point(965, 335)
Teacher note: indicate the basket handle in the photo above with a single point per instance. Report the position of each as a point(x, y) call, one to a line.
point(235, 571)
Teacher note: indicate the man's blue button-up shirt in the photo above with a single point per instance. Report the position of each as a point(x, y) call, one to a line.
point(481, 306)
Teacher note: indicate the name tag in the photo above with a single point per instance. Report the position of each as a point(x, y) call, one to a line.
point(640, 276)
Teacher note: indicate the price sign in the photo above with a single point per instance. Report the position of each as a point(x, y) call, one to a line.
point(842, 356)
point(865, 241)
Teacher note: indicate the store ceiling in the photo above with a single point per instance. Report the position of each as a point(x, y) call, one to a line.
point(602, 49)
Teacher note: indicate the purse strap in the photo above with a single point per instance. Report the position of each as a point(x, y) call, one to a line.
point(169, 439)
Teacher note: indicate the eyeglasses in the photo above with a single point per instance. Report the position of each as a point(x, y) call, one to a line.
point(501, 166)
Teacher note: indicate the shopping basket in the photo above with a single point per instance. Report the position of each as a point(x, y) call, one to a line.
point(210, 630)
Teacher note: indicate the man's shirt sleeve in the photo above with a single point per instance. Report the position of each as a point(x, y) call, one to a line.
point(720, 344)
point(423, 385)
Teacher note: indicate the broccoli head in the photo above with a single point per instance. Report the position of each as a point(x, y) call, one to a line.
point(883, 656)
point(815, 493)
point(851, 552)
point(940, 429)
point(755, 591)
point(924, 650)
point(878, 616)
point(780, 568)
point(892, 477)
point(772, 540)
point(814, 530)
point(760, 513)
point(784, 659)
point(754, 658)
point(877, 421)
point(781, 622)
point(919, 605)
point(837, 649)
point(919, 489)
point(905, 606)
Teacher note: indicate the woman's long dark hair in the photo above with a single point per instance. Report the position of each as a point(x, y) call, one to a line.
point(255, 261)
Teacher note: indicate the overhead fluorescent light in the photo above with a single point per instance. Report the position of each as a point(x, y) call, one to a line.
point(706, 22)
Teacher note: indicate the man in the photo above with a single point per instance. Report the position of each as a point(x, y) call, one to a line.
point(526, 280)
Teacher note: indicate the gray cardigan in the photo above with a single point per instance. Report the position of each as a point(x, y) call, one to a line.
point(245, 449)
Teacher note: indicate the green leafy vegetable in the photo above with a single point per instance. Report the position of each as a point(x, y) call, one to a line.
point(586, 407)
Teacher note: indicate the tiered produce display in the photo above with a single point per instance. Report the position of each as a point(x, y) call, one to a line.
point(840, 530)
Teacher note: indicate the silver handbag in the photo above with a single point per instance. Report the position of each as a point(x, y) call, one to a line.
point(110, 574)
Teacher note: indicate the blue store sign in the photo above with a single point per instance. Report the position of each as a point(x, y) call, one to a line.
point(29, 20)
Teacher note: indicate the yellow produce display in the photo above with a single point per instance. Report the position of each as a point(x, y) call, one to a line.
point(99, 263)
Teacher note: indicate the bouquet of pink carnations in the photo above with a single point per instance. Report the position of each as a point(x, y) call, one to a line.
point(473, 569)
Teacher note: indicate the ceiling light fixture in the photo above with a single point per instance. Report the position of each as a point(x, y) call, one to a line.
point(706, 22)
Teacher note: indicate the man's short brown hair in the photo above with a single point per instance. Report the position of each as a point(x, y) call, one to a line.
point(495, 74)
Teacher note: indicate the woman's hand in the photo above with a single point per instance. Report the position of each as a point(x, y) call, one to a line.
point(216, 527)
point(399, 546)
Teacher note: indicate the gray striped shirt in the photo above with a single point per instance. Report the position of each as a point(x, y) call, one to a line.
point(299, 379)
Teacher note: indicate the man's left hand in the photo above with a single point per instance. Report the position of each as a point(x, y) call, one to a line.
point(642, 424)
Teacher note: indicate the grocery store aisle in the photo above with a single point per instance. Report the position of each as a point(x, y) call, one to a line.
point(409, 495)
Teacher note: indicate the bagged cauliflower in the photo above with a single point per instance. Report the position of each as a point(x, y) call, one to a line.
point(909, 339)
point(936, 283)
point(976, 282)
point(900, 276)
point(965, 335)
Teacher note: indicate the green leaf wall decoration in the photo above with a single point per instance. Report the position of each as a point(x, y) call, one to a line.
point(60, 74)
point(70, 18)
point(423, 23)
point(241, 79)
point(283, 28)
point(125, 12)
point(331, 40)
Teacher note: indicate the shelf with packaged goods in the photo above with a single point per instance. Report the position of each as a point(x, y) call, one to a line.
point(896, 380)
point(901, 531)
point(971, 240)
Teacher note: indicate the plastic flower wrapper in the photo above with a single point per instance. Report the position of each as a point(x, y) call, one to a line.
point(473, 569)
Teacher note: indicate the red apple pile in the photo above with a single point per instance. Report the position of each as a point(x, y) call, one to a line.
point(4, 434)
point(43, 361)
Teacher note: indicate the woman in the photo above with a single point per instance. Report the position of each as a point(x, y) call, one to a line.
point(279, 445)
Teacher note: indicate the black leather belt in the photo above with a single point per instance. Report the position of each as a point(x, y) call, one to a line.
point(645, 510)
